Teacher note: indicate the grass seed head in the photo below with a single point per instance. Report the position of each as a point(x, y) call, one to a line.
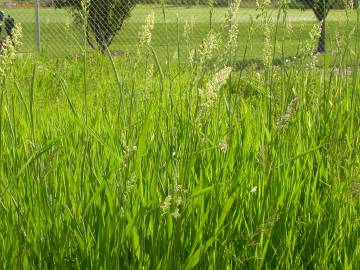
point(166, 205)
point(8, 52)
point(309, 45)
point(285, 119)
point(191, 57)
point(349, 4)
point(149, 74)
point(188, 30)
point(289, 27)
point(210, 94)
point(130, 187)
point(233, 9)
point(268, 44)
point(146, 34)
point(208, 47)
point(224, 146)
point(176, 214)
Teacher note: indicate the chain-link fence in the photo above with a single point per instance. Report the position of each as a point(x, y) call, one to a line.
point(57, 26)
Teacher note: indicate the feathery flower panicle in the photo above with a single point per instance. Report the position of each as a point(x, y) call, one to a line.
point(314, 35)
point(315, 31)
point(289, 26)
point(210, 94)
point(233, 9)
point(235, 5)
point(191, 57)
point(130, 187)
point(149, 74)
point(188, 30)
point(349, 4)
point(67, 24)
point(233, 36)
point(8, 50)
point(224, 146)
point(176, 214)
point(268, 46)
point(173, 202)
point(17, 35)
point(284, 2)
point(84, 13)
point(208, 47)
point(146, 34)
point(286, 118)
point(337, 49)
point(313, 61)
point(85, 4)
point(166, 205)
point(179, 201)
point(145, 37)
point(262, 4)
point(233, 32)
point(128, 151)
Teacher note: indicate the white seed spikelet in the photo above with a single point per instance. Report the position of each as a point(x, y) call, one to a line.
point(148, 78)
point(233, 9)
point(235, 6)
point(8, 50)
point(233, 28)
point(224, 146)
point(176, 213)
point(254, 189)
point(210, 94)
point(288, 26)
point(188, 30)
point(208, 47)
point(286, 118)
point(17, 34)
point(349, 4)
point(268, 46)
point(166, 205)
point(179, 201)
point(130, 187)
point(145, 35)
point(263, 4)
point(233, 36)
point(191, 57)
point(314, 34)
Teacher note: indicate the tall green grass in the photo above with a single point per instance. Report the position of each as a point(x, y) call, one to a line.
point(133, 163)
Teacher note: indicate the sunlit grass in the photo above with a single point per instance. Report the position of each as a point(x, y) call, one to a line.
point(138, 163)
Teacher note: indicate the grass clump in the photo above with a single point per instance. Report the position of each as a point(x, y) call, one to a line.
point(135, 163)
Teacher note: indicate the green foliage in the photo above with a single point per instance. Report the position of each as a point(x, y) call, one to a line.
point(133, 163)
point(321, 9)
point(334, 4)
point(104, 18)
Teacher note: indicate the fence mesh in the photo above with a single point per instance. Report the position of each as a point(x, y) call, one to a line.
point(57, 26)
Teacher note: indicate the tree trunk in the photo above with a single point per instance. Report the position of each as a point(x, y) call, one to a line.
point(321, 44)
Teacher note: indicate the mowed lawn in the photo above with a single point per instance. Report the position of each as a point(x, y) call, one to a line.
point(59, 34)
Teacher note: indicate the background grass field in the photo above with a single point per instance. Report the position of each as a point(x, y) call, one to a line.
point(59, 35)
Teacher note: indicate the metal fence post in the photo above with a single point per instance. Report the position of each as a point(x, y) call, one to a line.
point(37, 24)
